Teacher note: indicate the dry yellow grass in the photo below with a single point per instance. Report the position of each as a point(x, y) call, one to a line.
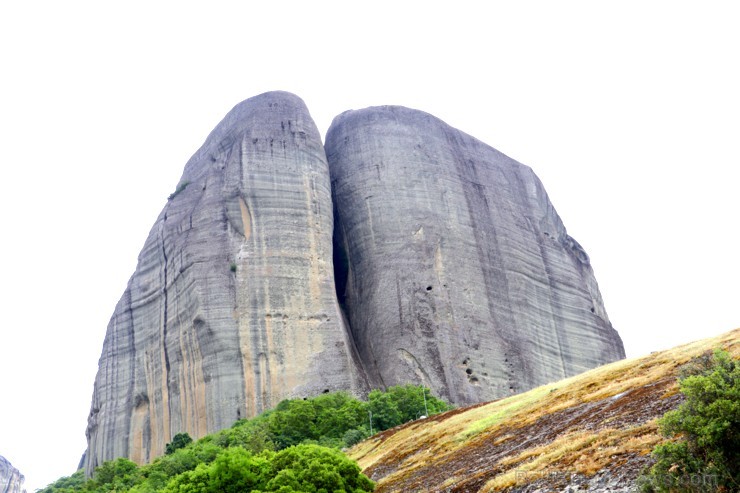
point(577, 452)
point(485, 447)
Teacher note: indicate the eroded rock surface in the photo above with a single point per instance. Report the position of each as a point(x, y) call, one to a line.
point(456, 271)
point(232, 307)
point(11, 480)
point(450, 261)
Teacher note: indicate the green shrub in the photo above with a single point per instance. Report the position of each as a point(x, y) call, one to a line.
point(67, 484)
point(309, 468)
point(115, 475)
point(401, 404)
point(355, 435)
point(235, 470)
point(704, 451)
point(315, 468)
point(253, 435)
point(180, 187)
point(179, 441)
point(307, 433)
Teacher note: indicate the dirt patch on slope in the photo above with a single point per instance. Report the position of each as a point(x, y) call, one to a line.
point(469, 468)
point(593, 431)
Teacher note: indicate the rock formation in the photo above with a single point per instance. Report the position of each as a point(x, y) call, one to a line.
point(232, 307)
point(11, 481)
point(450, 261)
point(455, 269)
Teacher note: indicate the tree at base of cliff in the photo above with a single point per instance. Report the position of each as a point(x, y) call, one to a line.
point(704, 454)
point(180, 440)
point(304, 468)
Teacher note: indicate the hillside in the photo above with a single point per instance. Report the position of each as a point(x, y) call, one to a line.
point(594, 429)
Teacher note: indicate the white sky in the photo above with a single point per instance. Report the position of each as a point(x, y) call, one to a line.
point(628, 112)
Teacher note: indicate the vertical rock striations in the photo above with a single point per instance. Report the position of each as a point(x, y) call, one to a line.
point(452, 264)
point(11, 481)
point(232, 306)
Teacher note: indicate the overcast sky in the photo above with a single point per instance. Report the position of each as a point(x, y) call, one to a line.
point(629, 114)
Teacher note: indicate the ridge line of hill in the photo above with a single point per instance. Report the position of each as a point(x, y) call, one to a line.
point(596, 429)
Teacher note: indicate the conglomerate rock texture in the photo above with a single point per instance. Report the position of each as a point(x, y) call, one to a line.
point(11, 481)
point(450, 262)
point(455, 269)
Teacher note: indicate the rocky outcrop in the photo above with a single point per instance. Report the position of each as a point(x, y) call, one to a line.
point(232, 307)
point(456, 271)
point(11, 481)
point(450, 261)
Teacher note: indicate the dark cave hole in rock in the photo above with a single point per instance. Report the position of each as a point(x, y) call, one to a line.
point(592, 310)
point(469, 371)
point(326, 391)
point(429, 288)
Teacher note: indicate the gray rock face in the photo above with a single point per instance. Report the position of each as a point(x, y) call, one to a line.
point(450, 261)
point(454, 267)
point(232, 307)
point(11, 481)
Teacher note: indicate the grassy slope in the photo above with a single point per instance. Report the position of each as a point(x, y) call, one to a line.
point(602, 419)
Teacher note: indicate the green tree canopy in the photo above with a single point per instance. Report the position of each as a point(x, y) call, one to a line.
point(178, 441)
point(704, 451)
point(303, 468)
point(244, 456)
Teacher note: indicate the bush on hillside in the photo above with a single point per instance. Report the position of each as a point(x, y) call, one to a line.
point(703, 453)
point(401, 404)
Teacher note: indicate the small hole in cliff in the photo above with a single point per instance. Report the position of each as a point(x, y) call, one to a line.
point(592, 310)
point(326, 391)
point(140, 400)
point(429, 288)
point(469, 371)
point(473, 379)
point(465, 361)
